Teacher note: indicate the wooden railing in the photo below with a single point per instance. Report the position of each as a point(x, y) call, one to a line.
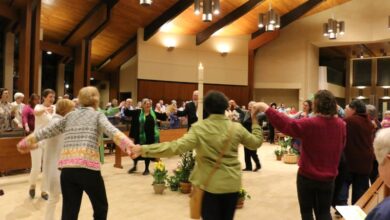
point(373, 196)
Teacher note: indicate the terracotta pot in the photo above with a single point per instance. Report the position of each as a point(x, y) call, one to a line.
point(279, 157)
point(159, 188)
point(240, 203)
point(185, 187)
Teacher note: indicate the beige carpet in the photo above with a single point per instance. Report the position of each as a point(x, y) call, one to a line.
point(272, 190)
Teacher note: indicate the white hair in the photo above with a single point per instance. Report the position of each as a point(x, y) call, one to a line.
point(18, 95)
point(382, 144)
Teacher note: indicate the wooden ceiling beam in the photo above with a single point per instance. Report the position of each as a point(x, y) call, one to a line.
point(291, 16)
point(167, 16)
point(92, 24)
point(8, 12)
point(228, 19)
point(263, 39)
point(119, 57)
point(368, 50)
point(57, 49)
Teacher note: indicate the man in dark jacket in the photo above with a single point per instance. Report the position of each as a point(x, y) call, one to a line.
point(358, 151)
point(190, 110)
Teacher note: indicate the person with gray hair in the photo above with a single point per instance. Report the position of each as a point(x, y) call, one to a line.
point(17, 107)
point(382, 153)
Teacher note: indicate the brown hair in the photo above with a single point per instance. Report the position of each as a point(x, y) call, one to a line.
point(325, 103)
point(31, 100)
point(64, 106)
point(46, 92)
point(89, 97)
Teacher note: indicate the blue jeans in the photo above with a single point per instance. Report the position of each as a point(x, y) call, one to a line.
point(360, 184)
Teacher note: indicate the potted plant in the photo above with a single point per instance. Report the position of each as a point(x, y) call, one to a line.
point(173, 182)
point(159, 176)
point(242, 196)
point(291, 156)
point(278, 153)
point(186, 165)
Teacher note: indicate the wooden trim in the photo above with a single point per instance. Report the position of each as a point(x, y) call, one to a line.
point(25, 50)
point(229, 18)
point(57, 48)
point(292, 15)
point(114, 85)
point(100, 76)
point(210, 84)
point(36, 59)
point(251, 73)
point(263, 39)
point(82, 70)
point(8, 12)
point(167, 16)
point(365, 199)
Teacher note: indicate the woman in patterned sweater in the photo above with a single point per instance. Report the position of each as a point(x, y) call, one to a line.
point(79, 160)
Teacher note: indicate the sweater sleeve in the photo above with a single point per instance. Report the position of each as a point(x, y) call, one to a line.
point(284, 124)
point(25, 113)
point(117, 136)
point(254, 140)
point(52, 130)
point(188, 142)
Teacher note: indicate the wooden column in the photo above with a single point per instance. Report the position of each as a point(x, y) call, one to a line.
point(114, 84)
point(9, 61)
point(25, 50)
point(82, 66)
point(60, 79)
point(36, 55)
point(251, 73)
point(348, 82)
point(374, 78)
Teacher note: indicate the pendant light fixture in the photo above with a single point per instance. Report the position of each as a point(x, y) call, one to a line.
point(270, 20)
point(333, 28)
point(208, 7)
point(145, 2)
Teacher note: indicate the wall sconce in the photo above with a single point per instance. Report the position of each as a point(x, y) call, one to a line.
point(223, 49)
point(170, 44)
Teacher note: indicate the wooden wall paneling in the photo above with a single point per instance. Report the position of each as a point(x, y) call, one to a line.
point(25, 50)
point(114, 85)
point(181, 91)
point(251, 73)
point(36, 53)
point(59, 49)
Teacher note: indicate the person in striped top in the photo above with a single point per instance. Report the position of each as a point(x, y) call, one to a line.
point(79, 160)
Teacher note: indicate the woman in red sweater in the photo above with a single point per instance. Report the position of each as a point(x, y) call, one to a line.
point(323, 139)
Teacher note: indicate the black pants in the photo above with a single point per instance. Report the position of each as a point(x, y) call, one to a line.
point(360, 184)
point(251, 154)
point(374, 173)
point(75, 181)
point(147, 162)
point(314, 196)
point(271, 137)
point(219, 206)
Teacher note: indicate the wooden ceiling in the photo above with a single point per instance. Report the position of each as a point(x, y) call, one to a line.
point(377, 49)
point(60, 17)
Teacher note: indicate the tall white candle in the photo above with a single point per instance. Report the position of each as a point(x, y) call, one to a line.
point(200, 91)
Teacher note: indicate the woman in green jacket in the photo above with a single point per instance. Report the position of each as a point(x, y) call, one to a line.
point(209, 138)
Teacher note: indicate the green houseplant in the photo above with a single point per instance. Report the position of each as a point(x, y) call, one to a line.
point(242, 196)
point(187, 164)
point(159, 176)
point(173, 182)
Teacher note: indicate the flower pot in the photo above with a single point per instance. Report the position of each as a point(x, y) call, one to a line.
point(185, 188)
point(290, 158)
point(240, 203)
point(279, 157)
point(174, 188)
point(159, 188)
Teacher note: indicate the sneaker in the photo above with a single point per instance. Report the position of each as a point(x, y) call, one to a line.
point(146, 172)
point(132, 170)
point(1, 192)
point(32, 192)
point(45, 196)
point(246, 169)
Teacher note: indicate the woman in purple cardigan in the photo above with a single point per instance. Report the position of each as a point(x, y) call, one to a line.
point(323, 139)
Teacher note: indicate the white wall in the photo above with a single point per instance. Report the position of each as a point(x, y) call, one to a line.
point(181, 64)
point(128, 77)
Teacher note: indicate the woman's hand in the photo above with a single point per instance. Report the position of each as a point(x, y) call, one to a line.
point(136, 151)
point(260, 106)
point(24, 147)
